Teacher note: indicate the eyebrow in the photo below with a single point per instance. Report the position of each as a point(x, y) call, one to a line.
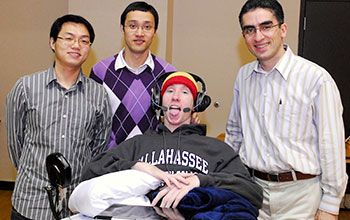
point(252, 26)
point(138, 21)
point(69, 33)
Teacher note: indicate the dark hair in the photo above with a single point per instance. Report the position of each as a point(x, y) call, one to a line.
point(274, 5)
point(140, 6)
point(57, 25)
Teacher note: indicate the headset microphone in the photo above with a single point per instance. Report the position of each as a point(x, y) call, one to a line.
point(161, 107)
point(186, 109)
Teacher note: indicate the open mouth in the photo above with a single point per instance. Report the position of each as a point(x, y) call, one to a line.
point(174, 110)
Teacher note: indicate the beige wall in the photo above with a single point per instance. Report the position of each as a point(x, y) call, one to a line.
point(24, 49)
point(199, 36)
point(106, 21)
point(207, 41)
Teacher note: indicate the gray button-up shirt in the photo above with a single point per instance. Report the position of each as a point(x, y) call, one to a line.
point(42, 118)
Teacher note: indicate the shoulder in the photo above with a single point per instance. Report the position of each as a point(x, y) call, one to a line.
point(36, 75)
point(107, 60)
point(247, 69)
point(95, 90)
point(34, 78)
point(27, 84)
point(309, 68)
point(249, 66)
point(308, 64)
point(218, 142)
point(91, 84)
point(160, 62)
point(105, 63)
point(216, 145)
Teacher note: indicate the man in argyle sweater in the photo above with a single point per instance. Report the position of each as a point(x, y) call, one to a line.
point(129, 76)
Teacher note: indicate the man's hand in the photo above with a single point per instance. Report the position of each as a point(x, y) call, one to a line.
point(178, 180)
point(322, 215)
point(169, 213)
point(172, 195)
point(195, 119)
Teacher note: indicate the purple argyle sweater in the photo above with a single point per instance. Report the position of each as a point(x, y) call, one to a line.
point(130, 96)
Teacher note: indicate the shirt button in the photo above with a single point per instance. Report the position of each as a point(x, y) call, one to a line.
point(64, 116)
point(265, 94)
point(63, 136)
point(66, 96)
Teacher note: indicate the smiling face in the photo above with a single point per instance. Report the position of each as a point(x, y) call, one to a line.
point(176, 97)
point(139, 40)
point(71, 54)
point(267, 48)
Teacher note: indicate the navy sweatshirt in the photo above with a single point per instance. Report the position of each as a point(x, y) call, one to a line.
point(187, 149)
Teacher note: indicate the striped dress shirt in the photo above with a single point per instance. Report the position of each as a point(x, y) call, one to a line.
point(42, 118)
point(290, 119)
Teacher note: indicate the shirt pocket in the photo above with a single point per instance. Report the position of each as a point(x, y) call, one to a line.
point(288, 121)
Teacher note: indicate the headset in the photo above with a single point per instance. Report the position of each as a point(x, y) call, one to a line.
point(58, 170)
point(201, 102)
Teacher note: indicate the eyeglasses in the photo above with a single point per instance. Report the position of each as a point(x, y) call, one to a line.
point(70, 40)
point(265, 29)
point(135, 27)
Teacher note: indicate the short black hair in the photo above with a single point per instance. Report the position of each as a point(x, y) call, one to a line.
point(57, 25)
point(140, 6)
point(274, 5)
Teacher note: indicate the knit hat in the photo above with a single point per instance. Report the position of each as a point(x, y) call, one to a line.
point(181, 78)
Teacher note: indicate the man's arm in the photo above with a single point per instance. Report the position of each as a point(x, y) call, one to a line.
point(233, 135)
point(115, 159)
point(328, 118)
point(15, 121)
point(231, 174)
point(103, 127)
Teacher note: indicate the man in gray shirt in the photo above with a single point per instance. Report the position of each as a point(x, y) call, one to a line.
point(55, 110)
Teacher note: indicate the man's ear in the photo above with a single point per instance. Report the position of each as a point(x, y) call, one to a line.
point(52, 43)
point(283, 30)
point(122, 28)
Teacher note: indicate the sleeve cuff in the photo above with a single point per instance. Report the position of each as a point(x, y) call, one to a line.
point(330, 204)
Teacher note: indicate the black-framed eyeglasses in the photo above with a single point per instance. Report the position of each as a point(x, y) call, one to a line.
point(265, 29)
point(135, 27)
point(71, 40)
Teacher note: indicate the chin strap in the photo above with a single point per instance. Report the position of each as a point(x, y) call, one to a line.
point(59, 173)
point(53, 204)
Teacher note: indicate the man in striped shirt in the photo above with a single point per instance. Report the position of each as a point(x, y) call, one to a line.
point(286, 122)
point(55, 110)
